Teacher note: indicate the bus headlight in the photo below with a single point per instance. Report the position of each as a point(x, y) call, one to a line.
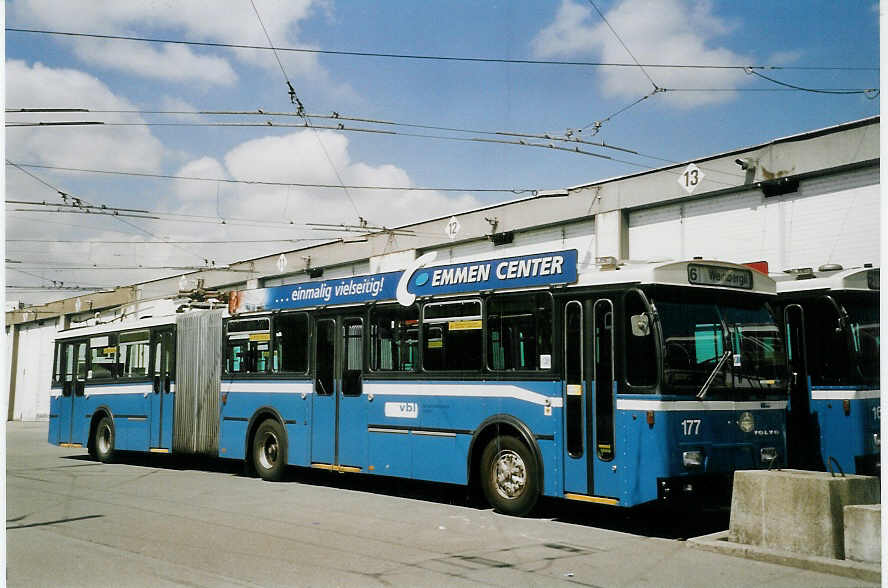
point(768, 454)
point(692, 459)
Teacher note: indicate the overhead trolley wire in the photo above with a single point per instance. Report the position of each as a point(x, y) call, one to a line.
point(270, 124)
point(301, 111)
point(429, 57)
point(641, 67)
point(205, 242)
point(333, 116)
point(277, 183)
point(76, 201)
point(871, 93)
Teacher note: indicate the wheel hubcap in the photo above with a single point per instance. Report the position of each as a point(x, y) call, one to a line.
point(104, 441)
point(509, 474)
point(268, 453)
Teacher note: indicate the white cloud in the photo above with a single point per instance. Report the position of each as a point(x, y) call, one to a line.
point(298, 158)
point(225, 21)
point(656, 31)
point(38, 86)
point(174, 63)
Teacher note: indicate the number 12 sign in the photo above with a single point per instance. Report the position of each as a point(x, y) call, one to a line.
point(690, 178)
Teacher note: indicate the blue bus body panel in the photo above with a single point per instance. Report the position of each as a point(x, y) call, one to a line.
point(576, 472)
point(846, 437)
point(161, 418)
point(55, 414)
point(323, 428)
point(243, 399)
point(646, 452)
point(423, 429)
point(129, 405)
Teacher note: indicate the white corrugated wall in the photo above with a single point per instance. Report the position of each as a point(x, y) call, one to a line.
point(833, 219)
point(34, 370)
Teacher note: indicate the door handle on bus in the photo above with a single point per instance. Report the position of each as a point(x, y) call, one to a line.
point(157, 384)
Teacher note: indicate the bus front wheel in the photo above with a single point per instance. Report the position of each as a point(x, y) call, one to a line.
point(270, 451)
point(510, 476)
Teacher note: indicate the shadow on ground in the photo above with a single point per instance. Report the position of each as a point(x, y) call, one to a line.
point(655, 520)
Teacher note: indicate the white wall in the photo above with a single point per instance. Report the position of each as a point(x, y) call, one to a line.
point(832, 219)
point(34, 370)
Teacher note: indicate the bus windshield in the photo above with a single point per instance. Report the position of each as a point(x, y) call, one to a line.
point(863, 324)
point(733, 344)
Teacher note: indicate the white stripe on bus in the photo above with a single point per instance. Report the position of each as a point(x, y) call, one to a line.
point(480, 390)
point(844, 394)
point(282, 387)
point(142, 388)
point(676, 405)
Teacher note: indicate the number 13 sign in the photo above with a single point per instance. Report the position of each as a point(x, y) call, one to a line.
point(690, 178)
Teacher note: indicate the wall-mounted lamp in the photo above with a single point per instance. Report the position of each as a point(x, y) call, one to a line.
point(503, 238)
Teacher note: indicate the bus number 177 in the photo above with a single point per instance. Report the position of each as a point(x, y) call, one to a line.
point(691, 426)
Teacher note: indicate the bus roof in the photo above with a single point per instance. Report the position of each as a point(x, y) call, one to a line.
point(859, 279)
point(115, 326)
point(698, 273)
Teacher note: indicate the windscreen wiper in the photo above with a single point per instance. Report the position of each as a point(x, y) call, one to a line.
point(702, 393)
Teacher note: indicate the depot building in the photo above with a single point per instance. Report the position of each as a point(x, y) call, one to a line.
point(801, 201)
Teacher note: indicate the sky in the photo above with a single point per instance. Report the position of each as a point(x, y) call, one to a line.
point(665, 114)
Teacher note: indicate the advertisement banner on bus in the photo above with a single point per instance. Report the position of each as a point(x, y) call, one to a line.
point(539, 269)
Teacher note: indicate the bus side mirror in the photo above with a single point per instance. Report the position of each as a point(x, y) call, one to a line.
point(641, 325)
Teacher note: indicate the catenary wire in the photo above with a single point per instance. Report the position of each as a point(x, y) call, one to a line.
point(274, 183)
point(432, 57)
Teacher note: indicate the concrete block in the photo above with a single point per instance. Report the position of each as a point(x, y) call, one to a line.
point(863, 533)
point(796, 510)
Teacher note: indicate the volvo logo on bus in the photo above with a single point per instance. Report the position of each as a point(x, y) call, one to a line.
point(746, 422)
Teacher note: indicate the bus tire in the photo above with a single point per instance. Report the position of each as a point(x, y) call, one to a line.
point(103, 440)
point(270, 451)
point(510, 476)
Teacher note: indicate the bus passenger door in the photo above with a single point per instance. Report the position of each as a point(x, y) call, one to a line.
point(339, 416)
point(164, 376)
point(351, 429)
point(605, 471)
point(73, 402)
point(325, 400)
point(803, 444)
point(576, 470)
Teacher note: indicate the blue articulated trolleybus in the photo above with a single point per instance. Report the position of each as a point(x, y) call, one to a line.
point(831, 319)
point(520, 374)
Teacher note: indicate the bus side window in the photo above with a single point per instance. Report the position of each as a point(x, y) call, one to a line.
point(394, 338)
point(102, 357)
point(828, 361)
point(133, 354)
point(641, 354)
point(453, 336)
point(57, 375)
point(291, 344)
point(248, 346)
point(519, 332)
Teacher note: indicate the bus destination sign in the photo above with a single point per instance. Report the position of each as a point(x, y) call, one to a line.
point(713, 275)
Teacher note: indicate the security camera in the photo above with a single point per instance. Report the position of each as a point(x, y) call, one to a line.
point(745, 163)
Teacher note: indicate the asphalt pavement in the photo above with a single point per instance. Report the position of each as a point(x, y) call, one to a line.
point(164, 521)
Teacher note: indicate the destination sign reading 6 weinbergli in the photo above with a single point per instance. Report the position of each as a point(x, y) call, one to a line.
point(539, 269)
point(713, 275)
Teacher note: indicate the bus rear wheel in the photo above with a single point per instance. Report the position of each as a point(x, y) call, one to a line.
point(510, 476)
point(270, 451)
point(103, 440)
